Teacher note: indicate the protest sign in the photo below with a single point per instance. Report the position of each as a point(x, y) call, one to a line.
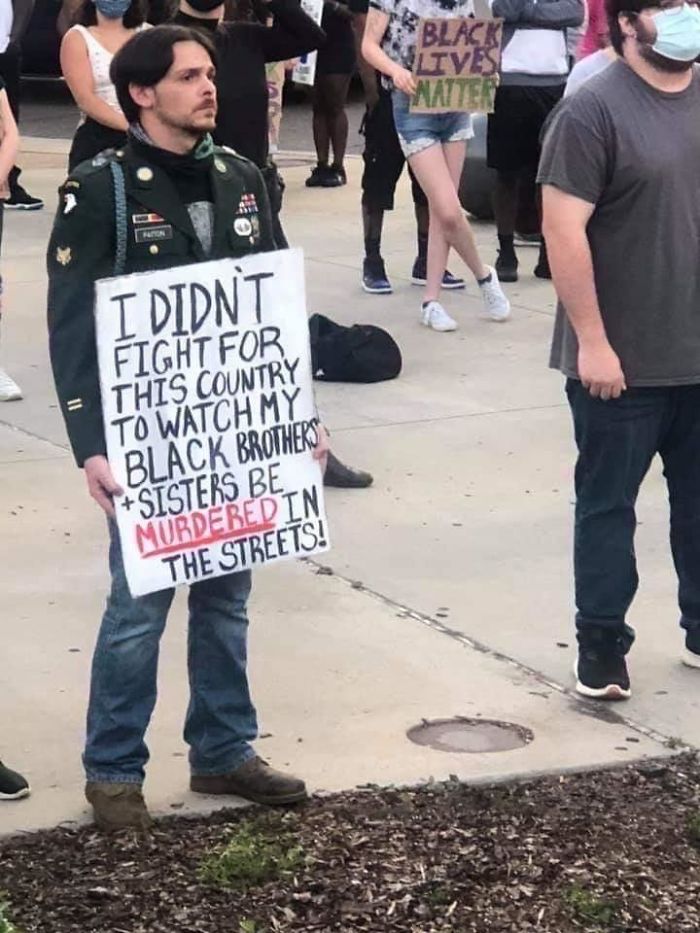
point(205, 374)
point(275, 87)
point(456, 65)
point(305, 69)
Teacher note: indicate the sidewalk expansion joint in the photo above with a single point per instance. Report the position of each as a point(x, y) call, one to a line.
point(580, 705)
point(33, 435)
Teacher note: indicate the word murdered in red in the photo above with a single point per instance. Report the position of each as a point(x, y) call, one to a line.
point(175, 534)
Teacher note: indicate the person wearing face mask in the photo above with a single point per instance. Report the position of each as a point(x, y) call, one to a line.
point(622, 225)
point(87, 49)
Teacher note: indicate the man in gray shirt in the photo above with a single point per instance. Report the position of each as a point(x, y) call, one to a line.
point(619, 171)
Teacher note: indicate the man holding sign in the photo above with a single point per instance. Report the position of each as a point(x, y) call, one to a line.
point(168, 199)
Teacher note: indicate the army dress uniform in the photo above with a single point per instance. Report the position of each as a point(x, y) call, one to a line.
point(160, 234)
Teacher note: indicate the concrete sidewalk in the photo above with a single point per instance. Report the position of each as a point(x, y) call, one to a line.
point(451, 585)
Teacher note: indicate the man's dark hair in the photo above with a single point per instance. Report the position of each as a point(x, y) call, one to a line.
point(86, 14)
point(146, 59)
point(631, 8)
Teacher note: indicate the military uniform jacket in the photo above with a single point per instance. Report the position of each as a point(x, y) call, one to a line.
point(160, 235)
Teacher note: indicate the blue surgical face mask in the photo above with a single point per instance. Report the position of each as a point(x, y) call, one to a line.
point(678, 33)
point(112, 9)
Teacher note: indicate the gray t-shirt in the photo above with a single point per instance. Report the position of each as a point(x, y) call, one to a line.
point(634, 152)
point(588, 68)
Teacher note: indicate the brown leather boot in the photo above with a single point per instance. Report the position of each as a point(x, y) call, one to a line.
point(255, 780)
point(117, 806)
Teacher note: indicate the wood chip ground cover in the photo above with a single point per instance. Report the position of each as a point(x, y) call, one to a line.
point(615, 851)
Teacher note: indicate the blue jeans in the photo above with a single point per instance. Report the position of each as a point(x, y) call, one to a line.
point(220, 721)
point(419, 131)
point(617, 440)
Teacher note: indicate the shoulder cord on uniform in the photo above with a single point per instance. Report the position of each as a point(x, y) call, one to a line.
point(120, 220)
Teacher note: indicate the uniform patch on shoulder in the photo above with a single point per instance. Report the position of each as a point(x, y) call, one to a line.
point(70, 202)
point(72, 183)
point(63, 255)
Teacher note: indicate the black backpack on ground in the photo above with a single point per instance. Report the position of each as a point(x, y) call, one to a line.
point(360, 353)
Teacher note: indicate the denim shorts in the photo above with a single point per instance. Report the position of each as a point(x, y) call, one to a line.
point(419, 131)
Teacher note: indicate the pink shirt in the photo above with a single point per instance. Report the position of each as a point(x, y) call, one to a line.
point(596, 34)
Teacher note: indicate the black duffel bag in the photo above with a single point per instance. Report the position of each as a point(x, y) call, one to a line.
point(360, 353)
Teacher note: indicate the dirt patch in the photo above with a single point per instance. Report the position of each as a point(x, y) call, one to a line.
point(613, 851)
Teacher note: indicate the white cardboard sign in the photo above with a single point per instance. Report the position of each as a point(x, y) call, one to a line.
point(305, 69)
point(209, 415)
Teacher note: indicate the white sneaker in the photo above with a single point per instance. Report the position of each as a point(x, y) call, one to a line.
point(496, 305)
point(9, 390)
point(434, 315)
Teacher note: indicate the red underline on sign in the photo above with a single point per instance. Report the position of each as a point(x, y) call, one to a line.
point(212, 539)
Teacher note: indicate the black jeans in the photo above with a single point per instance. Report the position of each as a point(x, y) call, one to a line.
point(617, 441)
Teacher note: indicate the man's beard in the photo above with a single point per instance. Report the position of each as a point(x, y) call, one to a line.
point(645, 40)
point(190, 126)
point(661, 63)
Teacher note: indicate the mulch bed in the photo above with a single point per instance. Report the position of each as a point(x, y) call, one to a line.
point(614, 851)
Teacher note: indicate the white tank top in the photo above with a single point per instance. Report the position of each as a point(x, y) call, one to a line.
point(100, 60)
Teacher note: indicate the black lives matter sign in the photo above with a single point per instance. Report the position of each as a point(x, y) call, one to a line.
point(207, 397)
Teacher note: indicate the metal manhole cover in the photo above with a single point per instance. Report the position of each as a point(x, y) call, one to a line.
point(470, 735)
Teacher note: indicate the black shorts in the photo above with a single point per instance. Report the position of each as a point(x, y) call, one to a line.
point(514, 128)
point(384, 160)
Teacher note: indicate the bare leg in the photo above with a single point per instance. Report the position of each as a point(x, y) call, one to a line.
point(433, 173)
point(438, 246)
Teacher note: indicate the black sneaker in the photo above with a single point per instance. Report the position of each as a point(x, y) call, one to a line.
point(507, 267)
point(374, 277)
point(12, 785)
point(601, 673)
point(691, 656)
point(20, 200)
point(542, 270)
point(419, 276)
point(317, 176)
point(334, 178)
point(339, 174)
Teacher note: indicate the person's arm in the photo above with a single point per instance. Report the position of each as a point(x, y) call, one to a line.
point(81, 250)
point(21, 14)
point(10, 139)
point(293, 32)
point(66, 16)
point(372, 52)
point(368, 74)
point(76, 68)
point(557, 14)
point(565, 219)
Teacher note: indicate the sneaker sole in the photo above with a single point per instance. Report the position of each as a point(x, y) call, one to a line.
point(495, 320)
point(376, 291)
point(439, 330)
point(18, 795)
point(448, 288)
point(23, 207)
point(610, 692)
point(14, 397)
point(690, 659)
